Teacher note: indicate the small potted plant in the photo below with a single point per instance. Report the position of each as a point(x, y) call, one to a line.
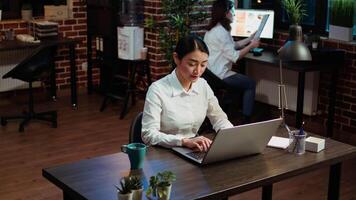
point(341, 19)
point(314, 40)
point(124, 190)
point(26, 11)
point(161, 185)
point(136, 187)
point(295, 10)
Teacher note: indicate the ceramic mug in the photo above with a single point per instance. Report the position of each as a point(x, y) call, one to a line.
point(136, 153)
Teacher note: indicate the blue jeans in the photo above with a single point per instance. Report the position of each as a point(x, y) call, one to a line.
point(242, 83)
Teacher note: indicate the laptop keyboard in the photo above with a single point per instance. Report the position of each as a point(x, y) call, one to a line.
point(197, 155)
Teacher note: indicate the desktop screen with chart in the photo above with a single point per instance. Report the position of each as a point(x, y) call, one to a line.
point(247, 21)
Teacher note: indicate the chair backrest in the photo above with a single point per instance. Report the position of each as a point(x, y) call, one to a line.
point(33, 66)
point(135, 129)
point(214, 81)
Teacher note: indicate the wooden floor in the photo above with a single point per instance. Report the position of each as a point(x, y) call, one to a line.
point(86, 133)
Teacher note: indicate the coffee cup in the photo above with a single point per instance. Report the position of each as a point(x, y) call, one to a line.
point(144, 53)
point(314, 45)
point(136, 153)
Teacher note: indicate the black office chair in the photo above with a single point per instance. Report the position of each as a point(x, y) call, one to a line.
point(220, 89)
point(135, 129)
point(36, 67)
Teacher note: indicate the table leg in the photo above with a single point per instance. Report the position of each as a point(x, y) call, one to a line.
point(53, 80)
point(89, 65)
point(267, 192)
point(300, 99)
point(334, 181)
point(66, 196)
point(73, 75)
point(332, 99)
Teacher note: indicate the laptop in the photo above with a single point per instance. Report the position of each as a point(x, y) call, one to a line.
point(234, 142)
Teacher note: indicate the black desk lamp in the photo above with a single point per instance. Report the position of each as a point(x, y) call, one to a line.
point(293, 50)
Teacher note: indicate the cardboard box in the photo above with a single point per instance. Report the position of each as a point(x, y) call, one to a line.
point(314, 144)
point(56, 12)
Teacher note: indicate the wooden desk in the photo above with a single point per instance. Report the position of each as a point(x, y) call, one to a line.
point(95, 178)
point(322, 60)
point(70, 43)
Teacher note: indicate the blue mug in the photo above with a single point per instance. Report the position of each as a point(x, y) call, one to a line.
point(136, 153)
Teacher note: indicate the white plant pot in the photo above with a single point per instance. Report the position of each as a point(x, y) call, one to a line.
point(26, 15)
point(165, 191)
point(124, 196)
point(137, 194)
point(340, 33)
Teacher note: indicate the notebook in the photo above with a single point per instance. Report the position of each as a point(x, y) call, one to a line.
point(234, 142)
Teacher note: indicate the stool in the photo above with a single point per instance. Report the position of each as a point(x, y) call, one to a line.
point(135, 67)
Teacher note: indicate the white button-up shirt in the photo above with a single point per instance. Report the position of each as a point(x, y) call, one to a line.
point(222, 52)
point(171, 113)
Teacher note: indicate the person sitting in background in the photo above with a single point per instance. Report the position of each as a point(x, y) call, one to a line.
point(224, 51)
point(176, 105)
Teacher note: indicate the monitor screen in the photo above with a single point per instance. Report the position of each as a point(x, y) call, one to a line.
point(247, 21)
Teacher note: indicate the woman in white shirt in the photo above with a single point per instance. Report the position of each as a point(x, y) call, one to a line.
point(177, 104)
point(224, 51)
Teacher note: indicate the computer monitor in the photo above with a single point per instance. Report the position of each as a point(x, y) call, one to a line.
point(247, 21)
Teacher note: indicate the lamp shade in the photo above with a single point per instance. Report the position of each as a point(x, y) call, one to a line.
point(295, 51)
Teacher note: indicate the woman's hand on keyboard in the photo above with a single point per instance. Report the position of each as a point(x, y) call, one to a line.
point(200, 143)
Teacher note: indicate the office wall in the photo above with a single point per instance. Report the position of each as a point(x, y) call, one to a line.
point(72, 28)
point(345, 117)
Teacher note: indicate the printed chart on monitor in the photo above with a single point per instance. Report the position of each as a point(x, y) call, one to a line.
point(247, 21)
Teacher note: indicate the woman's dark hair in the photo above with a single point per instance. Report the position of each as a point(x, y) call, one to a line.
point(189, 44)
point(218, 14)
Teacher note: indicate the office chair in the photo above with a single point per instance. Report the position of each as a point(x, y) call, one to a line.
point(135, 129)
point(34, 68)
point(220, 89)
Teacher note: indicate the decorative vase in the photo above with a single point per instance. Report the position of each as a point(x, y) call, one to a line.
point(26, 15)
point(124, 196)
point(137, 194)
point(295, 33)
point(340, 33)
point(164, 193)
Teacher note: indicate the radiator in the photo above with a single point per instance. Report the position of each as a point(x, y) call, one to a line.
point(8, 60)
point(267, 80)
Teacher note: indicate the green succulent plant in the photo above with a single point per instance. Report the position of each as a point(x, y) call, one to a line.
point(295, 10)
point(342, 12)
point(129, 183)
point(136, 182)
point(180, 15)
point(125, 186)
point(162, 179)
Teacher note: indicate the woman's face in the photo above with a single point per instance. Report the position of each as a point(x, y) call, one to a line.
point(191, 66)
point(230, 15)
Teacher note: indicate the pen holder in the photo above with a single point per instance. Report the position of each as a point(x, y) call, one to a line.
point(296, 142)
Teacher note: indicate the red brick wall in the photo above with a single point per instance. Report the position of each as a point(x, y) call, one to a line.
point(345, 117)
point(345, 112)
point(70, 28)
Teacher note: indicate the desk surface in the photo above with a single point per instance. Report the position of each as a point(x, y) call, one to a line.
point(324, 59)
point(7, 45)
point(94, 178)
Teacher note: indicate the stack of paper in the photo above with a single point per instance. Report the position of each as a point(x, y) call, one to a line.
point(278, 142)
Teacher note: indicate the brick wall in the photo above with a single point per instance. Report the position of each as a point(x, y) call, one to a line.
point(345, 115)
point(70, 28)
point(345, 110)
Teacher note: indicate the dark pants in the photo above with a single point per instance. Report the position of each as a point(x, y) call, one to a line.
point(247, 85)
